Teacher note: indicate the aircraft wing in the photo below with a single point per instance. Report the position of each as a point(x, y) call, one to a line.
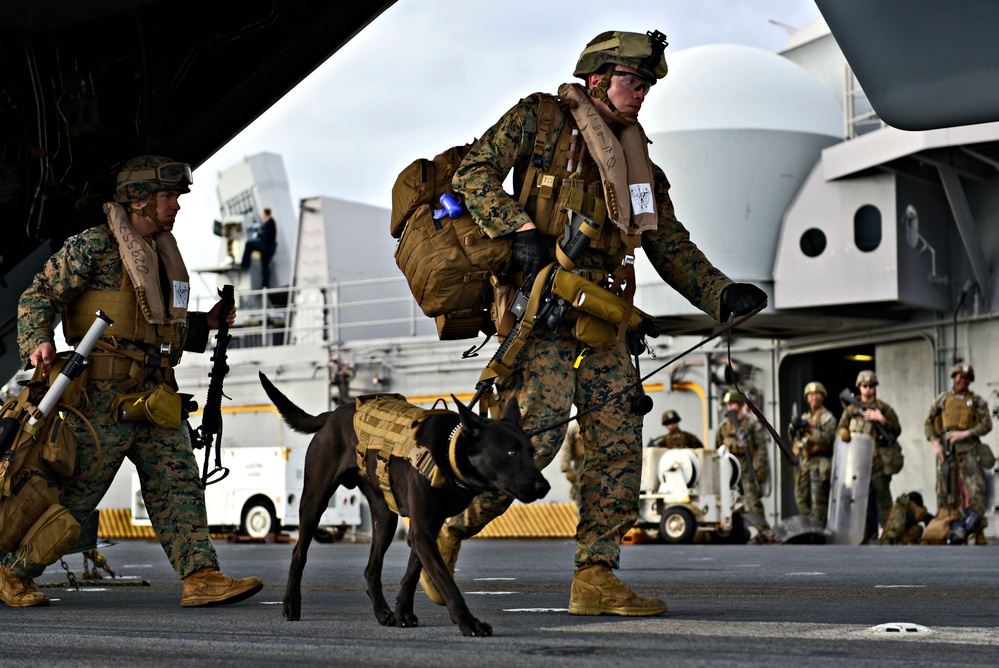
point(924, 64)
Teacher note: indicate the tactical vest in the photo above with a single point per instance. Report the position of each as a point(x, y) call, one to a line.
point(680, 439)
point(112, 361)
point(387, 424)
point(730, 435)
point(959, 414)
point(858, 425)
point(549, 189)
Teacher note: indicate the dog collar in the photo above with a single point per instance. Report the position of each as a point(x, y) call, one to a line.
point(451, 454)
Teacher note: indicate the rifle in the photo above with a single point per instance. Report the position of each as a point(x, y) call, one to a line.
point(211, 418)
point(799, 426)
point(748, 449)
point(846, 396)
point(948, 469)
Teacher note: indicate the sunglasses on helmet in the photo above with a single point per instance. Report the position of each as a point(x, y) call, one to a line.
point(171, 172)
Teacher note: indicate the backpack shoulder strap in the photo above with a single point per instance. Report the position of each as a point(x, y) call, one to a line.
point(547, 112)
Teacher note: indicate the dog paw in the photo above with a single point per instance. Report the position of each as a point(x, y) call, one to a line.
point(408, 620)
point(476, 628)
point(386, 618)
point(292, 615)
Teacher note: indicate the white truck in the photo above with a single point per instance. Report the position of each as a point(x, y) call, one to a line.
point(266, 462)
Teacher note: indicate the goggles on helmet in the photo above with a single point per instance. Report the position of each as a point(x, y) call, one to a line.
point(171, 172)
point(632, 81)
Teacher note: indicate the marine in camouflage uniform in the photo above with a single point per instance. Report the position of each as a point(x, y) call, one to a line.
point(86, 265)
point(751, 482)
point(962, 417)
point(815, 448)
point(674, 437)
point(554, 371)
point(852, 421)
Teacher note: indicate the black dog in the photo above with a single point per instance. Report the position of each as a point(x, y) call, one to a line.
point(489, 455)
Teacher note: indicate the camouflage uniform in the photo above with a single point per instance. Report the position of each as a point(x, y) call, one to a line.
point(680, 439)
point(750, 482)
point(573, 458)
point(163, 458)
point(811, 480)
point(970, 470)
point(880, 481)
point(544, 378)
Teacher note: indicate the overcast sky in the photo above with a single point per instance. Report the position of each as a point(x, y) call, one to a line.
point(428, 74)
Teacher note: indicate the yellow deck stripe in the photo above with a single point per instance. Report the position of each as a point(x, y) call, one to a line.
point(535, 520)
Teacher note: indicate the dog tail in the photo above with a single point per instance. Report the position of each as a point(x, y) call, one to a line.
point(294, 416)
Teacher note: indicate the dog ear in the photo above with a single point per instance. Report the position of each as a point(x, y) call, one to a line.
point(468, 417)
point(512, 411)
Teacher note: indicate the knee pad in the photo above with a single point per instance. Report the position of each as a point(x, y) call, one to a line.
point(50, 536)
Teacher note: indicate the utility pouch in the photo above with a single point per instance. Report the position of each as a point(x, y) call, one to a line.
point(892, 458)
point(59, 446)
point(31, 495)
point(599, 304)
point(51, 535)
point(162, 407)
point(593, 331)
point(985, 455)
point(74, 393)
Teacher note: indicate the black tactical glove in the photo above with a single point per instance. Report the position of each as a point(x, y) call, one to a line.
point(529, 252)
point(739, 299)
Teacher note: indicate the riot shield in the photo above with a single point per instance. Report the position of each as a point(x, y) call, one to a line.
point(849, 489)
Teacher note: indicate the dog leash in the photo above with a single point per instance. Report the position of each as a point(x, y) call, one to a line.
point(727, 329)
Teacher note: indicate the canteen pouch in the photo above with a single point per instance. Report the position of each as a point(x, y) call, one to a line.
point(162, 407)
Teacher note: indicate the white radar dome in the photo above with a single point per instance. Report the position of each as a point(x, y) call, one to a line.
point(736, 130)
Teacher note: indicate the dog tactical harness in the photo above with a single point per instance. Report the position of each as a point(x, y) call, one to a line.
point(387, 424)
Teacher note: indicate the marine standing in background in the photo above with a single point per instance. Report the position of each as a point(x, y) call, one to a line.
point(746, 439)
point(674, 438)
point(264, 241)
point(130, 267)
point(857, 421)
point(550, 144)
point(813, 443)
point(962, 417)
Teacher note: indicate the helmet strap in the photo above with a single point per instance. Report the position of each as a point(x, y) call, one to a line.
point(600, 92)
point(148, 210)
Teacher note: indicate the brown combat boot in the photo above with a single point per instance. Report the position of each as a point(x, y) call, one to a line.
point(20, 592)
point(207, 586)
point(597, 591)
point(448, 545)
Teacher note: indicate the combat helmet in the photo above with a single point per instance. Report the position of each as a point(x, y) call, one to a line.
point(144, 175)
point(867, 377)
point(631, 49)
point(966, 369)
point(733, 397)
point(670, 416)
point(815, 386)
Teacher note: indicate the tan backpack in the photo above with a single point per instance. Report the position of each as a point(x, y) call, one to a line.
point(449, 262)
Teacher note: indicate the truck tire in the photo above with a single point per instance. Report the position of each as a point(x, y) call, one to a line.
point(259, 520)
point(677, 525)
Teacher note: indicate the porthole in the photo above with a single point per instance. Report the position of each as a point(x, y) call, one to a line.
point(867, 228)
point(813, 242)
